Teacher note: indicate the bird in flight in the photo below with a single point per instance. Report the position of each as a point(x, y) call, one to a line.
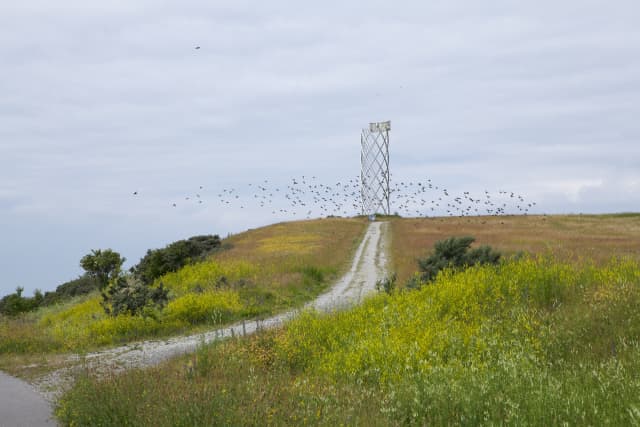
point(197, 47)
point(307, 197)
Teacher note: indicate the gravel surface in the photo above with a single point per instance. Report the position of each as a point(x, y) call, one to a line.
point(368, 266)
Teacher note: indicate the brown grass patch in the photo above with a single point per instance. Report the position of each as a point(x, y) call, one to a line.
point(598, 237)
point(327, 243)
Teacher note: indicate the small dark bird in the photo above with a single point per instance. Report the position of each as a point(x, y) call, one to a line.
point(135, 193)
point(197, 47)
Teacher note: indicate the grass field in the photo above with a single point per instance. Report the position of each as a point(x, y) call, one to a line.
point(547, 339)
point(264, 271)
point(595, 237)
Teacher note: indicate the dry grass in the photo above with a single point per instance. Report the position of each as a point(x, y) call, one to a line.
point(598, 237)
point(328, 243)
point(33, 366)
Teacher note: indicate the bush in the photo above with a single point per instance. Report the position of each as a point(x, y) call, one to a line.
point(127, 295)
point(452, 253)
point(83, 285)
point(158, 262)
point(14, 304)
point(388, 284)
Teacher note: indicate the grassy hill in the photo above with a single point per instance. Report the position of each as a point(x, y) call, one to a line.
point(548, 338)
point(263, 271)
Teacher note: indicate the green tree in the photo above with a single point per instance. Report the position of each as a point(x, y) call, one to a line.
point(453, 252)
point(102, 265)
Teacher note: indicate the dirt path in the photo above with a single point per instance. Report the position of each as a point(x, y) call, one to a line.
point(368, 266)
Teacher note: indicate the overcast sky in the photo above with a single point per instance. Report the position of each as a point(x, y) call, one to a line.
point(98, 100)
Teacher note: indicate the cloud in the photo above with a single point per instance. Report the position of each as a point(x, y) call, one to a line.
point(100, 100)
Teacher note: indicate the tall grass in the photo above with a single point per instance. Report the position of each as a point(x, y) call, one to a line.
point(534, 341)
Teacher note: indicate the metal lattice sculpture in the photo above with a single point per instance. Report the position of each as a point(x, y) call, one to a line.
point(374, 176)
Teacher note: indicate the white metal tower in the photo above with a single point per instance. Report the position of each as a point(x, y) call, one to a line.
point(374, 175)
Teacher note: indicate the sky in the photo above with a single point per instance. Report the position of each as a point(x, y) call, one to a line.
point(103, 99)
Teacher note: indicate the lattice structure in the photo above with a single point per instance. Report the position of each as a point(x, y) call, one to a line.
point(374, 175)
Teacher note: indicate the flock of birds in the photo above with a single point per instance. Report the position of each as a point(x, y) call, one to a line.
point(307, 197)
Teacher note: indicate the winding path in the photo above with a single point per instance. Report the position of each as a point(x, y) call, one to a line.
point(368, 266)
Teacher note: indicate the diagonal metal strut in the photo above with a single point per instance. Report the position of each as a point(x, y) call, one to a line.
point(374, 175)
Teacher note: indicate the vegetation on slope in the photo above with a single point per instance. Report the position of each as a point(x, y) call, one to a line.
point(101, 265)
point(452, 253)
point(16, 303)
point(158, 262)
point(566, 237)
point(533, 341)
point(264, 271)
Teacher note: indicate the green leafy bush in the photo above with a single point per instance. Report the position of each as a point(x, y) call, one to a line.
point(14, 304)
point(158, 262)
point(127, 295)
point(455, 253)
point(83, 285)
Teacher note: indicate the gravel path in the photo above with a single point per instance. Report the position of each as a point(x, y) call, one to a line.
point(368, 266)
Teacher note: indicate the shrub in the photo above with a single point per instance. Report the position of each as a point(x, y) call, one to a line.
point(14, 304)
point(158, 262)
point(453, 253)
point(388, 284)
point(83, 285)
point(127, 295)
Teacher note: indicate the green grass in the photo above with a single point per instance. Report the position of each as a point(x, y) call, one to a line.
point(534, 341)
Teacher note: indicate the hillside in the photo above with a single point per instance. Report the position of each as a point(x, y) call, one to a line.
point(549, 338)
point(368, 265)
point(261, 272)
